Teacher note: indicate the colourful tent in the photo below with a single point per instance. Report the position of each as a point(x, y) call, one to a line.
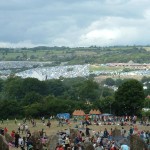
point(94, 112)
point(63, 115)
point(78, 113)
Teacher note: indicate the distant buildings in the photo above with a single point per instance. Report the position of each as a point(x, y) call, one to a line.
point(130, 65)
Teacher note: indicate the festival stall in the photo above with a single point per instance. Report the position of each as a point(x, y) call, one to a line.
point(94, 114)
point(78, 114)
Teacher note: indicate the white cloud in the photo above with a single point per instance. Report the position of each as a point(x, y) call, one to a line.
point(110, 31)
point(99, 37)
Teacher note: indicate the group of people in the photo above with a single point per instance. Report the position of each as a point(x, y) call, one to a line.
point(16, 140)
point(103, 139)
point(21, 138)
point(108, 120)
point(99, 140)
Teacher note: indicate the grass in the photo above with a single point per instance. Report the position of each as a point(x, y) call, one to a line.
point(38, 54)
point(82, 53)
point(11, 55)
point(104, 68)
point(54, 127)
point(147, 48)
point(121, 48)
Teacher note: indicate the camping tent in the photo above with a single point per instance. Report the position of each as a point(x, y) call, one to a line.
point(63, 115)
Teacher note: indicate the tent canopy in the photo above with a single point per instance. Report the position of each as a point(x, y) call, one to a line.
point(78, 113)
point(63, 115)
point(94, 112)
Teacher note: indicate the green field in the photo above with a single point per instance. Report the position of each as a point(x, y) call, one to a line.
point(104, 68)
point(79, 55)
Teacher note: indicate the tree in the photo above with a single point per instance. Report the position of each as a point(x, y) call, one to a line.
point(105, 91)
point(72, 86)
point(109, 82)
point(89, 90)
point(147, 102)
point(105, 104)
point(33, 110)
point(145, 113)
point(129, 97)
point(10, 109)
point(1, 84)
point(145, 79)
point(33, 84)
point(55, 87)
point(32, 97)
point(13, 88)
point(118, 82)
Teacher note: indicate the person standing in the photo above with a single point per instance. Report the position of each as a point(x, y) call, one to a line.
point(21, 143)
point(16, 139)
point(67, 143)
point(49, 123)
point(131, 130)
point(13, 134)
point(26, 128)
point(106, 133)
point(28, 135)
point(15, 121)
point(87, 131)
point(5, 130)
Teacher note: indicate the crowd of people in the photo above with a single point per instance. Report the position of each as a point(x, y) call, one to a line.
point(103, 139)
point(21, 138)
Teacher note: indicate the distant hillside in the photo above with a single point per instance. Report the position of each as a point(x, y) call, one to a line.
point(79, 55)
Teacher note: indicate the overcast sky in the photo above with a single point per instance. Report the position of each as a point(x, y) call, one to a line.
point(28, 23)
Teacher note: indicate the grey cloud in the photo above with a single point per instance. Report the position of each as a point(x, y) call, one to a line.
point(51, 22)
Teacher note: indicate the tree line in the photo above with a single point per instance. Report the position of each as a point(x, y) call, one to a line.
point(31, 97)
